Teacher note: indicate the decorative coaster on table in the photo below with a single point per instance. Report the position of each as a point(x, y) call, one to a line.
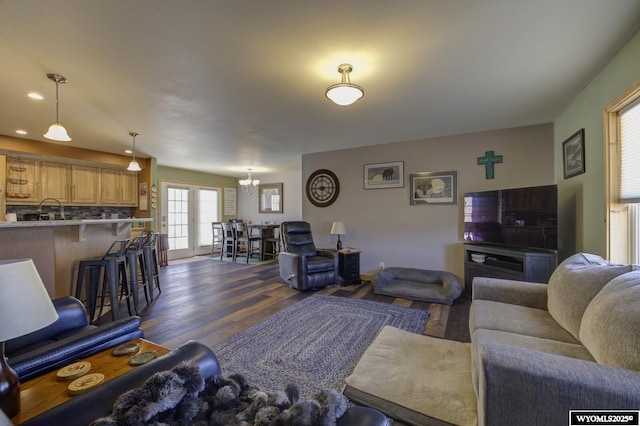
point(85, 383)
point(126, 349)
point(73, 371)
point(143, 357)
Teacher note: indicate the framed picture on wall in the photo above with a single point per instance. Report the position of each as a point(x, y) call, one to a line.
point(573, 154)
point(384, 175)
point(270, 198)
point(433, 188)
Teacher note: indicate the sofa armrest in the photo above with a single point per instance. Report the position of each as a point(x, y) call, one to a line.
point(98, 402)
point(532, 295)
point(79, 345)
point(524, 386)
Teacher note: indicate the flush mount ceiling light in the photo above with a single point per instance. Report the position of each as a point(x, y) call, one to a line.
point(344, 93)
point(249, 185)
point(133, 165)
point(56, 131)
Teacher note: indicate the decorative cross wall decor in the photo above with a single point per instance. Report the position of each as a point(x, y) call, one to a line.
point(489, 160)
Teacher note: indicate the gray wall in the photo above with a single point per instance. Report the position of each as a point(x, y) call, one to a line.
point(387, 228)
point(291, 193)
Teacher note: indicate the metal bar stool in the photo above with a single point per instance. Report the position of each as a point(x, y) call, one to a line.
point(137, 271)
point(118, 253)
point(151, 262)
point(107, 267)
point(163, 249)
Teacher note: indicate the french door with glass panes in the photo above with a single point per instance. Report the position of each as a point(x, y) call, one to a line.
point(186, 216)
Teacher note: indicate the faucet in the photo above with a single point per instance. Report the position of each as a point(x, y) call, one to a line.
point(52, 199)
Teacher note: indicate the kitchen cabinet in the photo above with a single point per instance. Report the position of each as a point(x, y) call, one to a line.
point(118, 187)
point(69, 183)
point(29, 181)
point(55, 179)
point(84, 184)
point(129, 191)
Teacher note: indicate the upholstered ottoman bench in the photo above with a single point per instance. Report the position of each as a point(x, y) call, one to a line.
point(416, 379)
point(417, 284)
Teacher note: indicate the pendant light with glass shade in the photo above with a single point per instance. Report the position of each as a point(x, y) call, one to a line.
point(345, 92)
point(56, 131)
point(133, 165)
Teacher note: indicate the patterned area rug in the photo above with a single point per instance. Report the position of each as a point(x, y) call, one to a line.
point(315, 343)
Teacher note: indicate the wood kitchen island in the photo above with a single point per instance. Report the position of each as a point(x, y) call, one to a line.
point(56, 246)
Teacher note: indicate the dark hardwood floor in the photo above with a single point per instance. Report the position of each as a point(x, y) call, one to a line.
point(208, 300)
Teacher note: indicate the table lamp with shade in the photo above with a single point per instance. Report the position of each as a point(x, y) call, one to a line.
point(338, 229)
point(25, 307)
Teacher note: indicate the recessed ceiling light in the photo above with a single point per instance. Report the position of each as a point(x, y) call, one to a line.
point(128, 151)
point(21, 132)
point(37, 96)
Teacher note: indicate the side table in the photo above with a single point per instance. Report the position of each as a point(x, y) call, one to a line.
point(348, 267)
point(45, 392)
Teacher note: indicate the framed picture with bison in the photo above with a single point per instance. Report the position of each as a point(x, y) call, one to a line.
point(384, 175)
point(434, 188)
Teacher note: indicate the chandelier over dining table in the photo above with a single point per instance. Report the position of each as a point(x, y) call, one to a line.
point(249, 185)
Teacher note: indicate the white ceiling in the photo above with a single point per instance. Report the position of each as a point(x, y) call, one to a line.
point(223, 86)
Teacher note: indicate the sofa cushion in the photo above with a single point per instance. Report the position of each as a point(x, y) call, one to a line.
point(516, 319)
point(416, 379)
point(610, 329)
point(481, 336)
point(573, 285)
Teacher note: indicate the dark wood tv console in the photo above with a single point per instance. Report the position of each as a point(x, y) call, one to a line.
point(507, 262)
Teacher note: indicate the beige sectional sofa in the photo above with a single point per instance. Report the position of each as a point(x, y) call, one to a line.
point(536, 352)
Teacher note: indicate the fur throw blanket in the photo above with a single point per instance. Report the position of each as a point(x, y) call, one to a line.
point(181, 396)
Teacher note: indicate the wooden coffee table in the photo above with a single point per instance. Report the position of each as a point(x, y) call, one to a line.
point(45, 392)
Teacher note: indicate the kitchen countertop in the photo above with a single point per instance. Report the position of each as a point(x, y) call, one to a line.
point(78, 222)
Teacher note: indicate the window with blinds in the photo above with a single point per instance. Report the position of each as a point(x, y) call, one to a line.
point(630, 153)
point(622, 139)
point(630, 175)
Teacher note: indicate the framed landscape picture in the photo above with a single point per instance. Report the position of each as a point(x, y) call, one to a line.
point(433, 188)
point(384, 175)
point(573, 154)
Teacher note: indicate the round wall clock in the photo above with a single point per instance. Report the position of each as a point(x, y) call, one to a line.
point(323, 188)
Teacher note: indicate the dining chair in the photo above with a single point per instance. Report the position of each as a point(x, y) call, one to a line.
point(218, 238)
point(272, 244)
point(246, 244)
point(228, 241)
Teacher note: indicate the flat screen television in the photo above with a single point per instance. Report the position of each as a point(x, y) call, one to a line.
point(518, 217)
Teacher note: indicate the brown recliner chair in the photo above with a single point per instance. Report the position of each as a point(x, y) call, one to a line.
point(303, 266)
